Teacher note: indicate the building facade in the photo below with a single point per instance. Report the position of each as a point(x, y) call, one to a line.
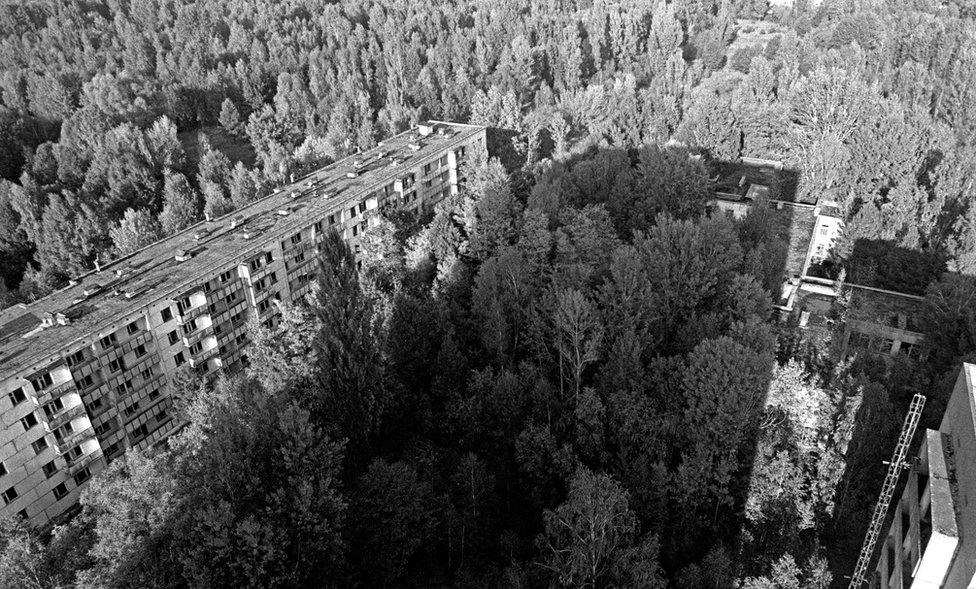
point(931, 543)
point(84, 371)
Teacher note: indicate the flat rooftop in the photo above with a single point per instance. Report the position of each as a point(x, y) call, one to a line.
point(884, 307)
point(736, 178)
point(124, 286)
point(794, 225)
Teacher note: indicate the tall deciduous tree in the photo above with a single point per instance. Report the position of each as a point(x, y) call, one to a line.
point(181, 204)
point(136, 229)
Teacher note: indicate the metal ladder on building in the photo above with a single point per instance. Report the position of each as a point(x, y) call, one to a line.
point(895, 468)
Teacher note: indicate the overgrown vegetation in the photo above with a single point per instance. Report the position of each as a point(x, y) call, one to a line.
point(569, 344)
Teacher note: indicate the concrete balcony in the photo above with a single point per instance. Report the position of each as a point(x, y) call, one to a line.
point(201, 358)
point(48, 395)
point(191, 314)
point(75, 438)
point(302, 246)
point(196, 336)
point(83, 461)
point(65, 415)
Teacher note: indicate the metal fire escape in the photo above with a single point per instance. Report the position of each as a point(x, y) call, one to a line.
point(895, 469)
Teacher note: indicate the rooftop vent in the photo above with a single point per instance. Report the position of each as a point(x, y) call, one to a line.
point(62, 319)
point(295, 194)
point(351, 174)
point(200, 235)
point(284, 211)
point(248, 233)
point(395, 162)
point(381, 154)
point(92, 289)
point(414, 146)
point(425, 130)
point(237, 221)
point(357, 164)
point(183, 255)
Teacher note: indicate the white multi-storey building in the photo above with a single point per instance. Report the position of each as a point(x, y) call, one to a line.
point(83, 372)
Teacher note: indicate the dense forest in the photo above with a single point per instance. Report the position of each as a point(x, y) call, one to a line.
point(568, 374)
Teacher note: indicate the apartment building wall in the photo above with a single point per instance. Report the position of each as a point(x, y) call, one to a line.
point(81, 407)
point(931, 542)
point(959, 427)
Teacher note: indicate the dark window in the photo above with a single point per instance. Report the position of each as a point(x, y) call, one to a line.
point(9, 495)
point(101, 428)
point(29, 421)
point(166, 314)
point(17, 396)
point(140, 432)
point(147, 373)
point(95, 404)
point(183, 304)
point(42, 382)
point(39, 445)
point(131, 409)
point(53, 407)
point(268, 258)
point(141, 351)
point(132, 327)
point(3, 469)
point(195, 348)
point(113, 449)
point(352, 212)
point(108, 341)
point(154, 394)
point(296, 238)
point(76, 358)
point(173, 337)
point(73, 454)
point(49, 469)
point(362, 207)
point(85, 382)
point(117, 365)
point(82, 476)
point(179, 359)
point(60, 491)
